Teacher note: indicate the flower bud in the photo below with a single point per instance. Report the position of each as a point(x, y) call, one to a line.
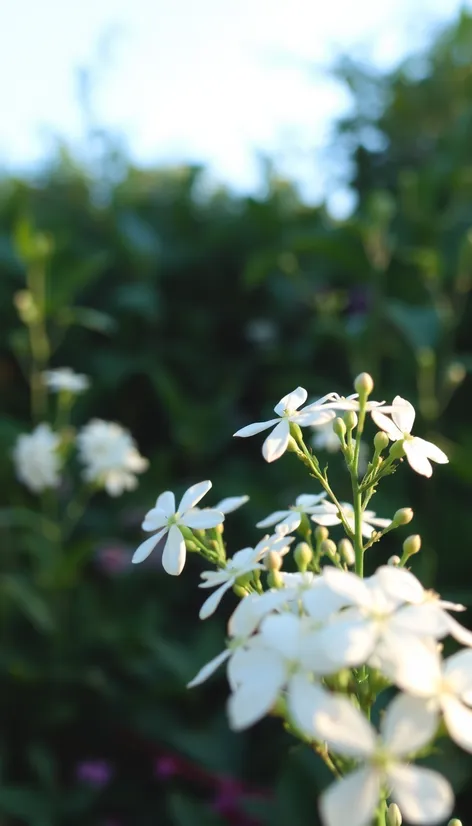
point(381, 441)
point(364, 384)
point(273, 561)
point(328, 547)
point(346, 551)
point(394, 817)
point(292, 446)
point(411, 545)
point(239, 591)
point(394, 560)
point(303, 555)
point(455, 822)
point(456, 373)
point(321, 533)
point(350, 419)
point(275, 580)
point(396, 451)
point(26, 306)
point(191, 546)
point(199, 533)
point(220, 528)
point(339, 428)
point(403, 516)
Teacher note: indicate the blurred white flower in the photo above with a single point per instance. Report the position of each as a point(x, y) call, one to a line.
point(110, 456)
point(287, 411)
point(418, 451)
point(422, 795)
point(165, 518)
point(327, 514)
point(289, 520)
point(325, 438)
point(37, 460)
point(65, 379)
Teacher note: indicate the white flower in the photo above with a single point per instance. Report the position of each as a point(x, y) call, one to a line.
point(65, 379)
point(231, 503)
point(243, 562)
point(325, 438)
point(110, 456)
point(422, 795)
point(289, 520)
point(352, 403)
point(37, 460)
point(327, 515)
point(287, 411)
point(418, 451)
point(165, 518)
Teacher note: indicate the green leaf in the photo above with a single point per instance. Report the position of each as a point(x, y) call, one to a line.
point(420, 326)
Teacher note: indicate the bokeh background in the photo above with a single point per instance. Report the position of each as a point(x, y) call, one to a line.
point(205, 254)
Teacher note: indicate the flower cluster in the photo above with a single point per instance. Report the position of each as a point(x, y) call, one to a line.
point(110, 456)
point(320, 645)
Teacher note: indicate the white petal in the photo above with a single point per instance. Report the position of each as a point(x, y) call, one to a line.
point(309, 500)
point(403, 414)
point(304, 699)
point(291, 401)
point(257, 427)
point(173, 558)
point(326, 519)
point(409, 662)
point(142, 551)
point(400, 584)
point(409, 724)
point(456, 630)
point(202, 519)
point(231, 503)
point(313, 416)
point(386, 424)
point(422, 795)
point(277, 441)
point(193, 495)
point(348, 585)
point(458, 719)
point(417, 460)
point(272, 519)
point(154, 519)
point(281, 632)
point(351, 801)
point(432, 451)
point(320, 601)
point(290, 523)
point(255, 697)
point(345, 729)
point(166, 502)
point(377, 521)
point(458, 672)
point(366, 529)
point(211, 604)
point(249, 612)
point(425, 620)
point(209, 669)
point(350, 643)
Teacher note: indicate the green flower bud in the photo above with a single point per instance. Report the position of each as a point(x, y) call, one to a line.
point(321, 533)
point(273, 561)
point(26, 307)
point(328, 547)
point(220, 528)
point(364, 384)
point(199, 533)
point(455, 822)
point(381, 441)
point(191, 546)
point(403, 516)
point(292, 446)
point(350, 419)
point(394, 560)
point(303, 555)
point(412, 545)
point(346, 551)
point(339, 428)
point(456, 373)
point(275, 580)
point(239, 591)
point(394, 817)
point(396, 451)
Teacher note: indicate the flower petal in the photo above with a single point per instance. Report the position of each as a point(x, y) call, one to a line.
point(291, 401)
point(304, 698)
point(349, 643)
point(456, 630)
point(154, 519)
point(202, 519)
point(417, 460)
point(422, 795)
point(142, 551)
point(458, 672)
point(173, 558)
point(211, 603)
point(458, 719)
point(345, 729)
point(277, 442)
point(256, 695)
point(352, 800)
point(432, 451)
point(386, 424)
point(281, 633)
point(193, 495)
point(326, 519)
point(403, 414)
point(252, 429)
point(272, 519)
point(209, 668)
point(400, 584)
point(231, 503)
point(166, 502)
point(313, 416)
point(309, 500)
point(409, 724)
point(348, 585)
point(409, 662)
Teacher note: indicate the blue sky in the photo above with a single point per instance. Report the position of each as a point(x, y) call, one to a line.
point(196, 80)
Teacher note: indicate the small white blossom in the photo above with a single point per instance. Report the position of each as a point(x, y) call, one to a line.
point(327, 515)
point(422, 795)
point(37, 460)
point(64, 379)
point(398, 428)
point(325, 438)
point(287, 411)
point(110, 456)
point(166, 519)
point(289, 520)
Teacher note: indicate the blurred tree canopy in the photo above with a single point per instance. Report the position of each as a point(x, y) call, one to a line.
point(194, 311)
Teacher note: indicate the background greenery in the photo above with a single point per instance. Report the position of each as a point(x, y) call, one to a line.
point(194, 312)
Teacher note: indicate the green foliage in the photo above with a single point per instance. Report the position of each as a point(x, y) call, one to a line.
point(194, 313)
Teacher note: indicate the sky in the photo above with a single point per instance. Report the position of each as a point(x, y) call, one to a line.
point(220, 82)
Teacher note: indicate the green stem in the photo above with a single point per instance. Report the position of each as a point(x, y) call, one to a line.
point(356, 491)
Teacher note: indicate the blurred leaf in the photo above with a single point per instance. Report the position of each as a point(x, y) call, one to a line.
point(89, 318)
point(186, 811)
point(419, 326)
point(33, 606)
